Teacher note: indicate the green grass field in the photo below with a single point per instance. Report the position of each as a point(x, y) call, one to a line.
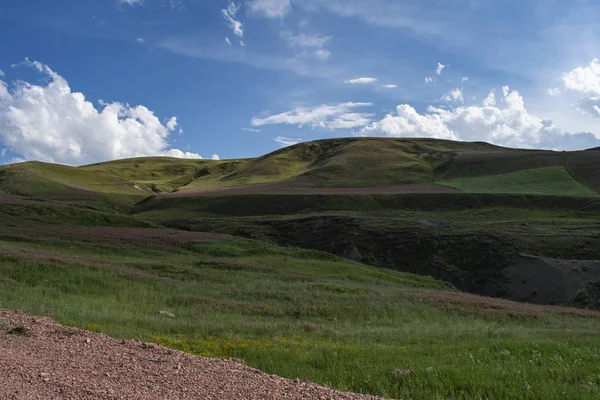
point(555, 181)
point(306, 314)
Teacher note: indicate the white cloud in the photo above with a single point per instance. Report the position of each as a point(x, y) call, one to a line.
point(251, 130)
point(228, 41)
point(305, 40)
point(428, 79)
point(172, 124)
point(327, 116)
point(229, 16)
point(554, 91)
point(51, 123)
point(215, 157)
point(285, 141)
point(140, 40)
point(584, 79)
point(176, 153)
point(490, 100)
point(440, 68)
point(309, 41)
point(2, 73)
point(586, 82)
point(454, 95)
point(271, 8)
point(389, 86)
point(465, 79)
point(131, 2)
point(508, 125)
point(3, 152)
point(361, 81)
point(242, 43)
point(323, 54)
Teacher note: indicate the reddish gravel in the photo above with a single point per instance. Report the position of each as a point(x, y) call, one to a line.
point(279, 188)
point(56, 362)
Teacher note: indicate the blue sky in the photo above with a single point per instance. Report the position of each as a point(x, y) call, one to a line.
point(87, 81)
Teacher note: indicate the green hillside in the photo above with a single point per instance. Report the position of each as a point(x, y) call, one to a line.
point(296, 313)
point(359, 162)
point(332, 163)
point(549, 180)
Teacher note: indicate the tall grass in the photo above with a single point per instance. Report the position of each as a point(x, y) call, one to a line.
point(306, 314)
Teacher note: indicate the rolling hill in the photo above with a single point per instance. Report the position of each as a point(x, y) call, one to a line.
point(333, 163)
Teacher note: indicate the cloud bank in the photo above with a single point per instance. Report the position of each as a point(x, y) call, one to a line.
point(52, 123)
point(504, 122)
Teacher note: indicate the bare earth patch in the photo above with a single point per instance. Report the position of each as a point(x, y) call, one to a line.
point(44, 360)
point(282, 188)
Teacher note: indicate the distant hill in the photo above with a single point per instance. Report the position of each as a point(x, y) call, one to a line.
point(332, 163)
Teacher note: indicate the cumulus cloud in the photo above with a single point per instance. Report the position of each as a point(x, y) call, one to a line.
point(464, 79)
point(454, 95)
point(285, 141)
point(176, 153)
point(215, 157)
point(271, 8)
point(172, 124)
point(52, 123)
point(229, 14)
point(440, 68)
point(586, 82)
point(140, 40)
point(361, 81)
point(584, 79)
point(507, 124)
point(428, 79)
point(327, 116)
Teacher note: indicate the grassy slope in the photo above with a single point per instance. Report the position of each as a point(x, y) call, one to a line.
point(549, 180)
point(343, 163)
point(465, 239)
point(306, 314)
point(357, 162)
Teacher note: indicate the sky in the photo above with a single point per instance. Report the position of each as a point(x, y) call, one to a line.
point(90, 81)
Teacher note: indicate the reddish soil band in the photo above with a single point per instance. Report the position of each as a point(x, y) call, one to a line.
point(51, 361)
point(279, 188)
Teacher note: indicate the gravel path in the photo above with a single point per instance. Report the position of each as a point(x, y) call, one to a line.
point(51, 361)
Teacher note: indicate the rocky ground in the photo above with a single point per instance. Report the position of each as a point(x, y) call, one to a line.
point(41, 359)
